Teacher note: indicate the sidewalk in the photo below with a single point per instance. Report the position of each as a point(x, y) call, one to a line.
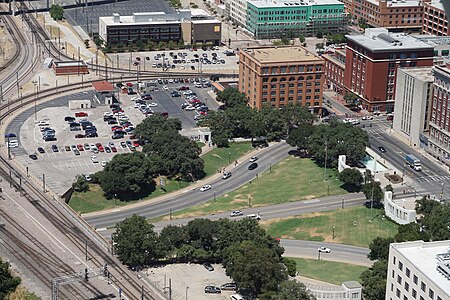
point(193, 186)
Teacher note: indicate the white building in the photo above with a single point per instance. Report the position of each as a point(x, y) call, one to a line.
point(413, 98)
point(419, 271)
point(401, 211)
point(238, 12)
point(349, 290)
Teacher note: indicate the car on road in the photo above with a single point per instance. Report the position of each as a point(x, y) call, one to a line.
point(324, 249)
point(10, 135)
point(212, 290)
point(208, 266)
point(382, 149)
point(152, 104)
point(33, 156)
point(41, 150)
point(236, 213)
point(253, 159)
point(366, 118)
point(231, 286)
point(69, 119)
point(94, 159)
point(226, 175)
point(253, 166)
point(205, 188)
point(254, 216)
point(43, 123)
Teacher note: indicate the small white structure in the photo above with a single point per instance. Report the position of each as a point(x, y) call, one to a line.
point(77, 104)
point(342, 163)
point(349, 290)
point(401, 211)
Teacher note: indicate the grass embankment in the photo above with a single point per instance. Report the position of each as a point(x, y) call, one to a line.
point(93, 200)
point(356, 226)
point(292, 179)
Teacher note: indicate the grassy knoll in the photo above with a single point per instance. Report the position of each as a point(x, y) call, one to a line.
point(220, 157)
point(353, 226)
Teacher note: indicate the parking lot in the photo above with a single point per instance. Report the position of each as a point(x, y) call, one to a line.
point(188, 60)
point(191, 278)
point(71, 157)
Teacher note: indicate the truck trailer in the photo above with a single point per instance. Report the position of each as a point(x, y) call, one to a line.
point(413, 162)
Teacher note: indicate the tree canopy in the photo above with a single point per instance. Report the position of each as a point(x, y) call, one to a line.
point(352, 179)
point(8, 282)
point(292, 290)
point(374, 281)
point(231, 97)
point(56, 12)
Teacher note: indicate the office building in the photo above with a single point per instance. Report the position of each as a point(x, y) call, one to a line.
point(334, 70)
point(413, 98)
point(278, 76)
point(419, 271)
point(395, 15)
point(439, 137)
point(291, 18)
point(191, 26)
point(237, 12)
point(434, 20)
point(372, 60)
point(69, 67)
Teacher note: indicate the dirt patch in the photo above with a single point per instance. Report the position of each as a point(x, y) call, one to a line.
point(217, 155)
point(271, 221)
point(309, 197)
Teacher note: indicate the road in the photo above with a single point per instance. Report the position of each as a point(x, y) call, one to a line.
point(192, 196)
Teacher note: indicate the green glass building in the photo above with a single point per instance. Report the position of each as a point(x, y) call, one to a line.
point(291, 18)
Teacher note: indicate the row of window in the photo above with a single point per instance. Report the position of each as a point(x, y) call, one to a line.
point(290, 92)
point(292, 69)
point(291, 99)
point(143, 30)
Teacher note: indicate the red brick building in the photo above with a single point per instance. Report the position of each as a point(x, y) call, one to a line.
point(70, 67)
point(334, 70)
point(434, 20)
point(371, 65)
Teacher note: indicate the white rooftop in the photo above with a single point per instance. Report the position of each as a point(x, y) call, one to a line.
point(380, 39)
point(399, 3)
point(437, 4)
point(423, 256)
point(424, 74)
point(293, 3)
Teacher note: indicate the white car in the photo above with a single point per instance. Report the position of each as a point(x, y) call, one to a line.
point(367, 118)
point(103, 163)
point(88, 177)
point(171, 80)
point(189, 108)
point(137, 105)
point(205, 188)
point(324, 249)
point(253, 159)
point(165, 87)
point(94, 159)
point(107, 114)
point(152, 104)
point(13, 144)
point(135, 98)
point(254, 216)
point(43, 123)
point(236, 213)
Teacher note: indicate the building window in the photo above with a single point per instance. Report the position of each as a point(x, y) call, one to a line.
point(423, 286)
point(431, 293)
point(397, 292)
point(407, 272)
point(415, 279)
point(414, 293)
point(406, 286)
point(400, 264)
point(399, 279)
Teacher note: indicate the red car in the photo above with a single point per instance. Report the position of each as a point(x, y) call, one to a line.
point(136, 144)
point(129, 84)
point(80, 147)
point(114, 128)
point(203, 113)
point(79, 136)
point(113, 149)
point(81, 114)
point(183, 88)
point(133, 137)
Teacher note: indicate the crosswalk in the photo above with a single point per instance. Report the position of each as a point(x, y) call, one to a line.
point(432, 178)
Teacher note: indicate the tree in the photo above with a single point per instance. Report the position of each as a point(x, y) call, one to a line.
point(172, 237)
point(362, 23)
point(232, 97)
point(350, 98)
point(285, 40)
point(374, 281)
point(181, 44)
point(301, 39)
point(171, 45)
point(155, 124)
point(80, 185)
point(161, 46)
point(292, 290)
point(151, 45)
point(8, 282)
point(299, 137)
point(320, 46)
point(291, 266)
point(389, 188)
point(137, 243)
point(436, 224)
point(247, 257)
point(379, 248)
point(56, 12)
point(319, 34)
point(140, 45)
point(425, 205)
point(126, 175)
point(352, 178)
point(409, 232)
point(373, 191)
point(337, 38)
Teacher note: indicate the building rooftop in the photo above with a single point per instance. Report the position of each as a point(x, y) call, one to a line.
point(380, 39)
point(399, 3)
point(287, 3)
point(282, 54)
point(423, 255)
point(70, 63)
point(436, 4)
point(424, 74)
point(103, 86)
point(433, 39)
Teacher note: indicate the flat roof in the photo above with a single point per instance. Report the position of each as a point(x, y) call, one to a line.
point(423, 256)
point(205, 21)
point(129, 20)
point(399, 3)
point(436, 4)
point(294, 3)
point(424, 74)
point(379, 39)
point(69, 63)
point(282, 54)
point(334, 59)
point(103, 86)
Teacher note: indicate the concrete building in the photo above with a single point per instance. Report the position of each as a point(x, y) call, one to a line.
point(372, 60)
point(434, 20)
point(69, 67)
point(349, 290)
point(334, 70)
point(439, 137)
point(413, 98)
point(278, 76)
point(191, 26)
point(104, 92)
point(441, 46)
point(291, 18)
point(419, 271)
point(237, 12)
point(401, 211)
point(393, 14)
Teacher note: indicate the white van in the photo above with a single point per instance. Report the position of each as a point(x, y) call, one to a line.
point(236, 297)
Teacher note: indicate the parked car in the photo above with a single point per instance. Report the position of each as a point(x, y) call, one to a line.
point(55, 148)
point(41, 150)
point(80, 136)
point(231, 286)
point(81, 114)
point(94, 159)
point(69, 119)
point(208, 266)
point(33, 156)
point(212, 290)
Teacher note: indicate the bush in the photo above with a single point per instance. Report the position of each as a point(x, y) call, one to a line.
point(56, 12)
point(80, 185)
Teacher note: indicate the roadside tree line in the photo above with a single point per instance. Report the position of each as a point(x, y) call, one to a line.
point(240, 246)
point(433, 225)
point(10, 285)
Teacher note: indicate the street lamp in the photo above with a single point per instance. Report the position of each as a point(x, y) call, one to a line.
point(214, 196)
point(229, 157)
point(333, 233)
point(187, 288)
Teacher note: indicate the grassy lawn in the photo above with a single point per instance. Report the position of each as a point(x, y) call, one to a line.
point(222, 157)
point(320, 270)
point(292, 179)
point(93, 200)
point(353, 226)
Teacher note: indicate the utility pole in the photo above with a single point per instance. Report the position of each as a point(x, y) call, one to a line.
point(17, 82)
point(326, 157)
point(43, 182)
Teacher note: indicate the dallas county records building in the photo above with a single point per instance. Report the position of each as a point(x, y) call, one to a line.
point(194, 27)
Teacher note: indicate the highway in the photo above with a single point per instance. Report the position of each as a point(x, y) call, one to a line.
point(192, 196)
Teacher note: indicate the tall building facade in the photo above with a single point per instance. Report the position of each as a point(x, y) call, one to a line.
point(439, 138)
point(237, 12)
point(413, 99)
point(372, 60)
point(395, 15)
point(334, 70)
point(434, 19)
point(419, 271)
point(278, 76)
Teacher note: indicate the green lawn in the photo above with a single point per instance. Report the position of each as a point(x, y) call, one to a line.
point(292, 179)
point(353, 226)
point(93, 200)
point(222, 157)
point(329, 271)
